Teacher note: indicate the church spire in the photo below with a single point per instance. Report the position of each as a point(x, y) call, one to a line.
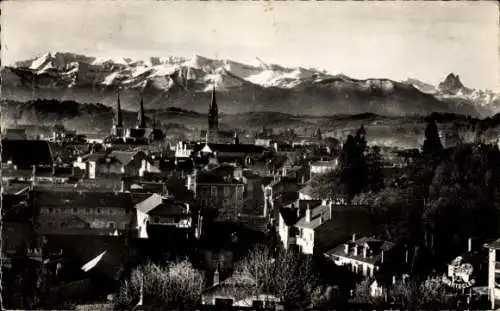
point(213, 112)
point(118, 112)
point(141, 121)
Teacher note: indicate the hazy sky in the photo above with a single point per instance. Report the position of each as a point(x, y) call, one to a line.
point(425, 40)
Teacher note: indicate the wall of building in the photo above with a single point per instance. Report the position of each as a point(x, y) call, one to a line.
point(227, 199)
point(68, 219)
point(305, 240)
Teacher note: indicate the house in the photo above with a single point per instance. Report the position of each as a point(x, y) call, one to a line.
point(15, 134)
point(493, 272)
point(298, 173)
point(364, 256)
point(253, 196)
point(220, 189)
point(157, 210)
point(238, 292)
point(264, 142)
point(183, 150)
point(322, 167)
point(83, 213)
point(128, 163)
point(278, 192)
point(328, 224)
point(243, 154)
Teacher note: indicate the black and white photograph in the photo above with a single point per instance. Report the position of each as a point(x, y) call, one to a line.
point(250, 155)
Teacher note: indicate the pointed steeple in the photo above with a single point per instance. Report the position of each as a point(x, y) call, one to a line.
point(236, 138)
point(141, 121)
point(118, 112)
point(213, 112)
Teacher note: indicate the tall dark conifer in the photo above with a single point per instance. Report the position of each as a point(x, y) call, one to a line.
point(432, 143)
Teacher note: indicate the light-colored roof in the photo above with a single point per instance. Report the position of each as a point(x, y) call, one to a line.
point(373, 244)
point(149, 204)
point(319, 214)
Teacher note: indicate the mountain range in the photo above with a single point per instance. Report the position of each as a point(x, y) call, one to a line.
point(257, 87)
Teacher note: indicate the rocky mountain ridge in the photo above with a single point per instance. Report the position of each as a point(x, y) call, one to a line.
point(186, 83)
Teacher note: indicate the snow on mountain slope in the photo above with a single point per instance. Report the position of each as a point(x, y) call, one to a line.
point(41, 61)
point(257, 86)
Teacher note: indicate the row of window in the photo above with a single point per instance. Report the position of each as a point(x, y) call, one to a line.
point(55, 224)
point(88, 210)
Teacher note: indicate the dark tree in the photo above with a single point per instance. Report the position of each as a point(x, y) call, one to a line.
point(353, 169)
point(432, 143)
point(360, 139)
point(374, 167)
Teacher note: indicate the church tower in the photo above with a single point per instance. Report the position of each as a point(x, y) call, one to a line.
point(213, 113)
point(141, 120)
point(117, 129)
point(213, 119)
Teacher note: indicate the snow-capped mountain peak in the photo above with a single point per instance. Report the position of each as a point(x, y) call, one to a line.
point(253, 86)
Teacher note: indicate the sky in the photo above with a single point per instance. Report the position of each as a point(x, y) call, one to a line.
point(362, 39)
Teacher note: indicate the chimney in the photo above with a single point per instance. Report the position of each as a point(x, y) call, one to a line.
point(469, 245)
point(122, 189)
point(308, 214)
point(393, 279)
point(346, 248)
point(330, 210)
point(216, 277)
point(382, 256)
point(354, 237)
point(355, 250)
point(406, 256)
point(53, 169)
point(365, 250)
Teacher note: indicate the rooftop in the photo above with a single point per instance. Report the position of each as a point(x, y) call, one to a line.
point(82, 199)
point(374, 249)
point(26, 153)
point(231, 148)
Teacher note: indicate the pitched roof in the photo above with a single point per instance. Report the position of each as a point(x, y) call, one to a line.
point(343, 216)
point(124, 157)
point(26, 153)
point(82, 199)
point(317, 212)
point(149, 204)
point(170, 207)
point(375, 248)
point(223, 173)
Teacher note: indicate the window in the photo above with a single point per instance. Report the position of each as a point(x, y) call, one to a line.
point(51, 210)
point(75, 210)
point(227, 191)
point(258, 304)
point(50, 224)
point(220, 302)
point(214, 191)
point(87, 210)
point(63, 225)
point(271, 305)
point(111, 225)
point(98, 211)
